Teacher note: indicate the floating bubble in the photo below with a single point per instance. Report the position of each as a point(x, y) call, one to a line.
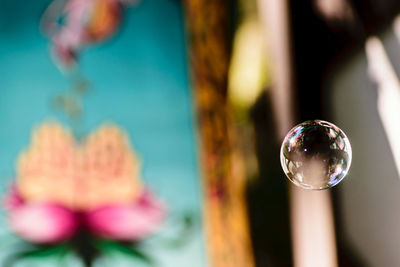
point(316, 155)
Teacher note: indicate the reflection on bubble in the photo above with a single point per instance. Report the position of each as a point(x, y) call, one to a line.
point(316, 155)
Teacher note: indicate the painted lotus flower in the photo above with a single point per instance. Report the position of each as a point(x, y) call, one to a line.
point(64, 187)
point(74, 24)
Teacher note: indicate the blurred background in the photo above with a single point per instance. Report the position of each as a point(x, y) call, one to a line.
point(335, 60)
point(203, 93)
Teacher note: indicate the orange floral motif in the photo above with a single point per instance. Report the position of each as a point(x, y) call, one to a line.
point(101, 170)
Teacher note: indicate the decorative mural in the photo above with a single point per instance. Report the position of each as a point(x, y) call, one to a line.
point(77, 192)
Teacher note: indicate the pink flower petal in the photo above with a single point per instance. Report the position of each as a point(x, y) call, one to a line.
point(13, 200)
point(127, 222)
point(43, 223)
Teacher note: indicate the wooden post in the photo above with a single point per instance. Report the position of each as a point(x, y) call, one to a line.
point(225, 215)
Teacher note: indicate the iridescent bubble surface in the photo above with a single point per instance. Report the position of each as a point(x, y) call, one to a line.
point(316, 155)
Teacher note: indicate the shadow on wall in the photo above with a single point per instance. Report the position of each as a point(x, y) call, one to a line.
point(267, 195)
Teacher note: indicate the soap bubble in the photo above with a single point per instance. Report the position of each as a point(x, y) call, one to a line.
point(316, 155)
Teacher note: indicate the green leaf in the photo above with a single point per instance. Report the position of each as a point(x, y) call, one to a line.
point(109, 246)
point(34, 252)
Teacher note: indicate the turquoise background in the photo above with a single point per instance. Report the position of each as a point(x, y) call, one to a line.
point(140, 82)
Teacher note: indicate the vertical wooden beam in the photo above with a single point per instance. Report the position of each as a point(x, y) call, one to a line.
point(228, 241)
